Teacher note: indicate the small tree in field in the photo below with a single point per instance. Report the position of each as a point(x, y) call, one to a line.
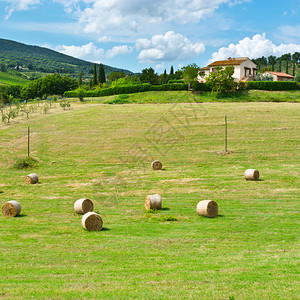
point(26, 109)
point(81, 94)
point(65, 104)
point(9, 114)
point(221, 81)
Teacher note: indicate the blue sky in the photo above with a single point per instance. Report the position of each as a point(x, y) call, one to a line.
point(138, 34)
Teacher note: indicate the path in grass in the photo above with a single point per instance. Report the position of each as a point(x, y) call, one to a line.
point(104, 152)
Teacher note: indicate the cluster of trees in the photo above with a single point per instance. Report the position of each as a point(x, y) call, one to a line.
point(285, 63)
point(49, 85)
point(43, 87)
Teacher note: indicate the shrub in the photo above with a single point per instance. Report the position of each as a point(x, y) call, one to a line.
point(264, 77)
point(129, 89)
point(272, 85)
point(200, 86)
point(25, 163)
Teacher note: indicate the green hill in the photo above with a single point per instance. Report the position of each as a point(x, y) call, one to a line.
point(34, 58)
point(9, 79)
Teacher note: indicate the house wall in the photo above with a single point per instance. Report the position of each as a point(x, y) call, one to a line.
point(236, 73)
point(279, 78)
point(239, 70)
point(247, 64)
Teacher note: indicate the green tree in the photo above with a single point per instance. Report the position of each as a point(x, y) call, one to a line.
point(149, 76)
point(296, 57)
point(102, 78)
point(165, 76)
point(272, 68)
point(80, 79)
point(171, 70)
point(297, 77)
point(2, 67)
point(116, 75)
point(65, 104)
point(279, 66)
point(294, 67)
point(26, 109)
point(81, 94)
point(95, 81)
point(9, 114)
point(221, 81)
point(271, 59)
point(190, 73)
point(287, 67)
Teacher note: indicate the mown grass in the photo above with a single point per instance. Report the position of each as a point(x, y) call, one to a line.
point(104, 152)
point(11, 79)
point(189, 96)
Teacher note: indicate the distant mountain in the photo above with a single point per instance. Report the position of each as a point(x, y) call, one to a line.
point(35, 58)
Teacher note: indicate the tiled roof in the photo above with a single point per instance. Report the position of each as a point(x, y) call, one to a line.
point(229, 62)
point(205, 68)
point(280, 74)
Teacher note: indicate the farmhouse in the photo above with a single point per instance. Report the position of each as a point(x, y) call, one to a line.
point(244, 68)
point(278, 76)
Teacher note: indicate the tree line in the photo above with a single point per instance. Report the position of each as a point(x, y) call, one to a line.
point(285, 63)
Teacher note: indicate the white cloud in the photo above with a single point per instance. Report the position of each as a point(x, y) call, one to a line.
point(168, 47)
point(103, 15)
point(258, 46)
point(90, 52)
point(104, 39)
point(87, 52)
point(118, 50)
point(17, 5)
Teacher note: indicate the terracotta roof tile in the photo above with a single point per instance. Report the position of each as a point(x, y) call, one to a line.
point(280, 74)
point(228, 62)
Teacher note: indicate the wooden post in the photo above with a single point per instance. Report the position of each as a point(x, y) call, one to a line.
point(225, 133)
point(28, 142)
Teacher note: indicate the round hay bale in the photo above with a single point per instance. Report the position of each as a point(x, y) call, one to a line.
point(207, 208)
point(153, 201)
point(82, 206)
point(32, 178)
point(251, 174)
point(156, 165)
point(11, 208)
point(92, 221)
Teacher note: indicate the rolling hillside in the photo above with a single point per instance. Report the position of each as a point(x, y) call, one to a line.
point(35, 58)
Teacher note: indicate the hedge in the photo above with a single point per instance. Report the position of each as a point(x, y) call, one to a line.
point(128, 89)
point(200, 86)
point(272, 85)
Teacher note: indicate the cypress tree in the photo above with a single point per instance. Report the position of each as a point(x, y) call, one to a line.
point(95, 81)
point(165, 76)
point(287, 67)
point(102, 78)
point(272, 69)
point(171, 70)
point(279, 67)
point(294, 68)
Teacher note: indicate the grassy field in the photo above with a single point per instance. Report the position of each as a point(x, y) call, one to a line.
point(103, 152)
point(11, 79)
point(188, 96)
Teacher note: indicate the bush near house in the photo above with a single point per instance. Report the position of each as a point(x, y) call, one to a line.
point(272, 85)
point(128, 89)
